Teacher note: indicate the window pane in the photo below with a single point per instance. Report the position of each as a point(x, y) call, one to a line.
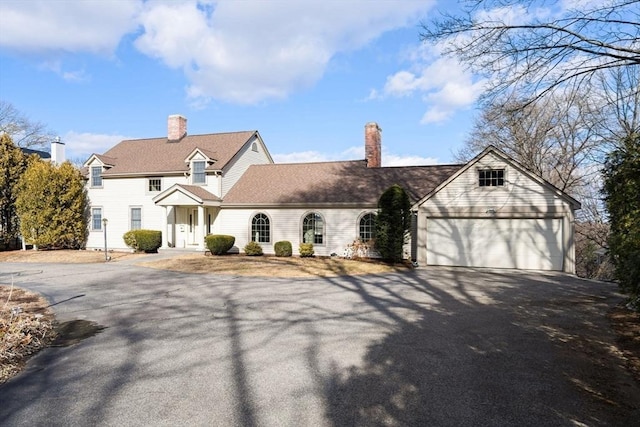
point(313, 229)
point(136, 218)
point(260, 229)
point(155, 184)
point(96, 176)
point(367, 227)
point(491, 177)
point(96, 217)
point(199, 176)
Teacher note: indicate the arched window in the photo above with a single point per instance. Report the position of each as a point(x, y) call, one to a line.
point(367, 227)
point(260, 229)
point(313, 229)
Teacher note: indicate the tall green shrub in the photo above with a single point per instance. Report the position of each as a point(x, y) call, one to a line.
point(13, 163)
point(393, 223)
point(52, 205)
point(219, 244)
point(622, 198)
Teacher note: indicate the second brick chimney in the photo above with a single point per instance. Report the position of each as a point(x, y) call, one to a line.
point(372, 145)
point(176, 128)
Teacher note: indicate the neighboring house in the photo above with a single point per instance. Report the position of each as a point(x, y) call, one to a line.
point(489, 212)
point(56, 155)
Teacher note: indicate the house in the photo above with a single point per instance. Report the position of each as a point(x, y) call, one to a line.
point(489, 212)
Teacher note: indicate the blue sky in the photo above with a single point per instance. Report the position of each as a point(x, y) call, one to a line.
point(307, 75)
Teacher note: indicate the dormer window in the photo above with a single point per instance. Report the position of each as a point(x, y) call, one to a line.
point(96, 176)
point(198, 176)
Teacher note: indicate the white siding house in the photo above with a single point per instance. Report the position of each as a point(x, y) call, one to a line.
point(490, 212)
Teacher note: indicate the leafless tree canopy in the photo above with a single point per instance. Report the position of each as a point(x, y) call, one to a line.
point(23, 131)
point(522, 50)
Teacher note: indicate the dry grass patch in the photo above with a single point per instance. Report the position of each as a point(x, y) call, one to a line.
point(26, 327)
point(271, 266)
point(63, 256)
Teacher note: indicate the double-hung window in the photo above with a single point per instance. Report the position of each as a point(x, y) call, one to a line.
point(367, 227)
point(136, 218)
point(96, 176)
point(96, 219)
point(199, 176)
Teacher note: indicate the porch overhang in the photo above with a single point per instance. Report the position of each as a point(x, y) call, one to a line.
point(186, 195)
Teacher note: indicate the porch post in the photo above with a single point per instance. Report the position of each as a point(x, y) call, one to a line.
point(201, 230)
point(164, 228)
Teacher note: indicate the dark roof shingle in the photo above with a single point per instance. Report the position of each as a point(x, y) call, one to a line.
point(332, 182)
point(157, 155)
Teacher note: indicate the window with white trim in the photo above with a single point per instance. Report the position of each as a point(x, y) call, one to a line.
point(313, 229)
point(154, 185)
point(96, 176)
point(136, 218)
point(260, 229)
point(96, 219)
point(491, 177)
point(198, 176)
point(367, 227)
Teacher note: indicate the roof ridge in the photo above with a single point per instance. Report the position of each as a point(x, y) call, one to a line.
point(190, 135)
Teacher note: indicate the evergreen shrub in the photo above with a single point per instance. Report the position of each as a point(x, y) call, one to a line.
point(253, 249)
point(306, 249)
point(283, 248)
point(219, 244)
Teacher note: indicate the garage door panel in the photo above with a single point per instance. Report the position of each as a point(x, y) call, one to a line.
point(497, 243)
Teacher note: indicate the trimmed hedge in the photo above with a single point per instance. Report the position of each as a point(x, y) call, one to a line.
point(253, 249)
point(219, 244)
point(283, 248)
point(306, 249)
point(143, 240)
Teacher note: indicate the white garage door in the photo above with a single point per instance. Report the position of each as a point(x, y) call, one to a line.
point(499, 243)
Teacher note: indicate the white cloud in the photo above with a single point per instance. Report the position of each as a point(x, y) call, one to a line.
point(66, 25)
point(354, 153)
point(250, 51)
point(443, 83)
point(80, 145)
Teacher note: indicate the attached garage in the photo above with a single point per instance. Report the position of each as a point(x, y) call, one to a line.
point(494, 213)
point(522, 243)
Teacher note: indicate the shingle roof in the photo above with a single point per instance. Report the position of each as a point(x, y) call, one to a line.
point(332, 182)
point(159, 156)
point(200, 192)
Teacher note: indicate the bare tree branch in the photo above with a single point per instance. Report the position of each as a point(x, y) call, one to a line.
point(23, 131)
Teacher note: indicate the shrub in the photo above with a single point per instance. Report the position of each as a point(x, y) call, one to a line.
point(253, 249)
point(148, 240)
point(393, 223)
point(219, 244)
point(283, 248)
point(130, 239)
point(306, 249)
point(143, 240)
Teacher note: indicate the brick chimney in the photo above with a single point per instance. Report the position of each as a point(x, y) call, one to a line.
point(372, 145)
point(176, 128)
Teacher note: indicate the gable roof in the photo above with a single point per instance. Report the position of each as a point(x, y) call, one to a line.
point(195, 192)
point(158, 155)
point(491, 149)
point(345, 182)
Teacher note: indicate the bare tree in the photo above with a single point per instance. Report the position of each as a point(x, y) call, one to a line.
point(556, 138)
point(23, 131)
point(533, 47)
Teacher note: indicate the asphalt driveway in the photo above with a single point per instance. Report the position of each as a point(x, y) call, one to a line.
point(433, 347)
